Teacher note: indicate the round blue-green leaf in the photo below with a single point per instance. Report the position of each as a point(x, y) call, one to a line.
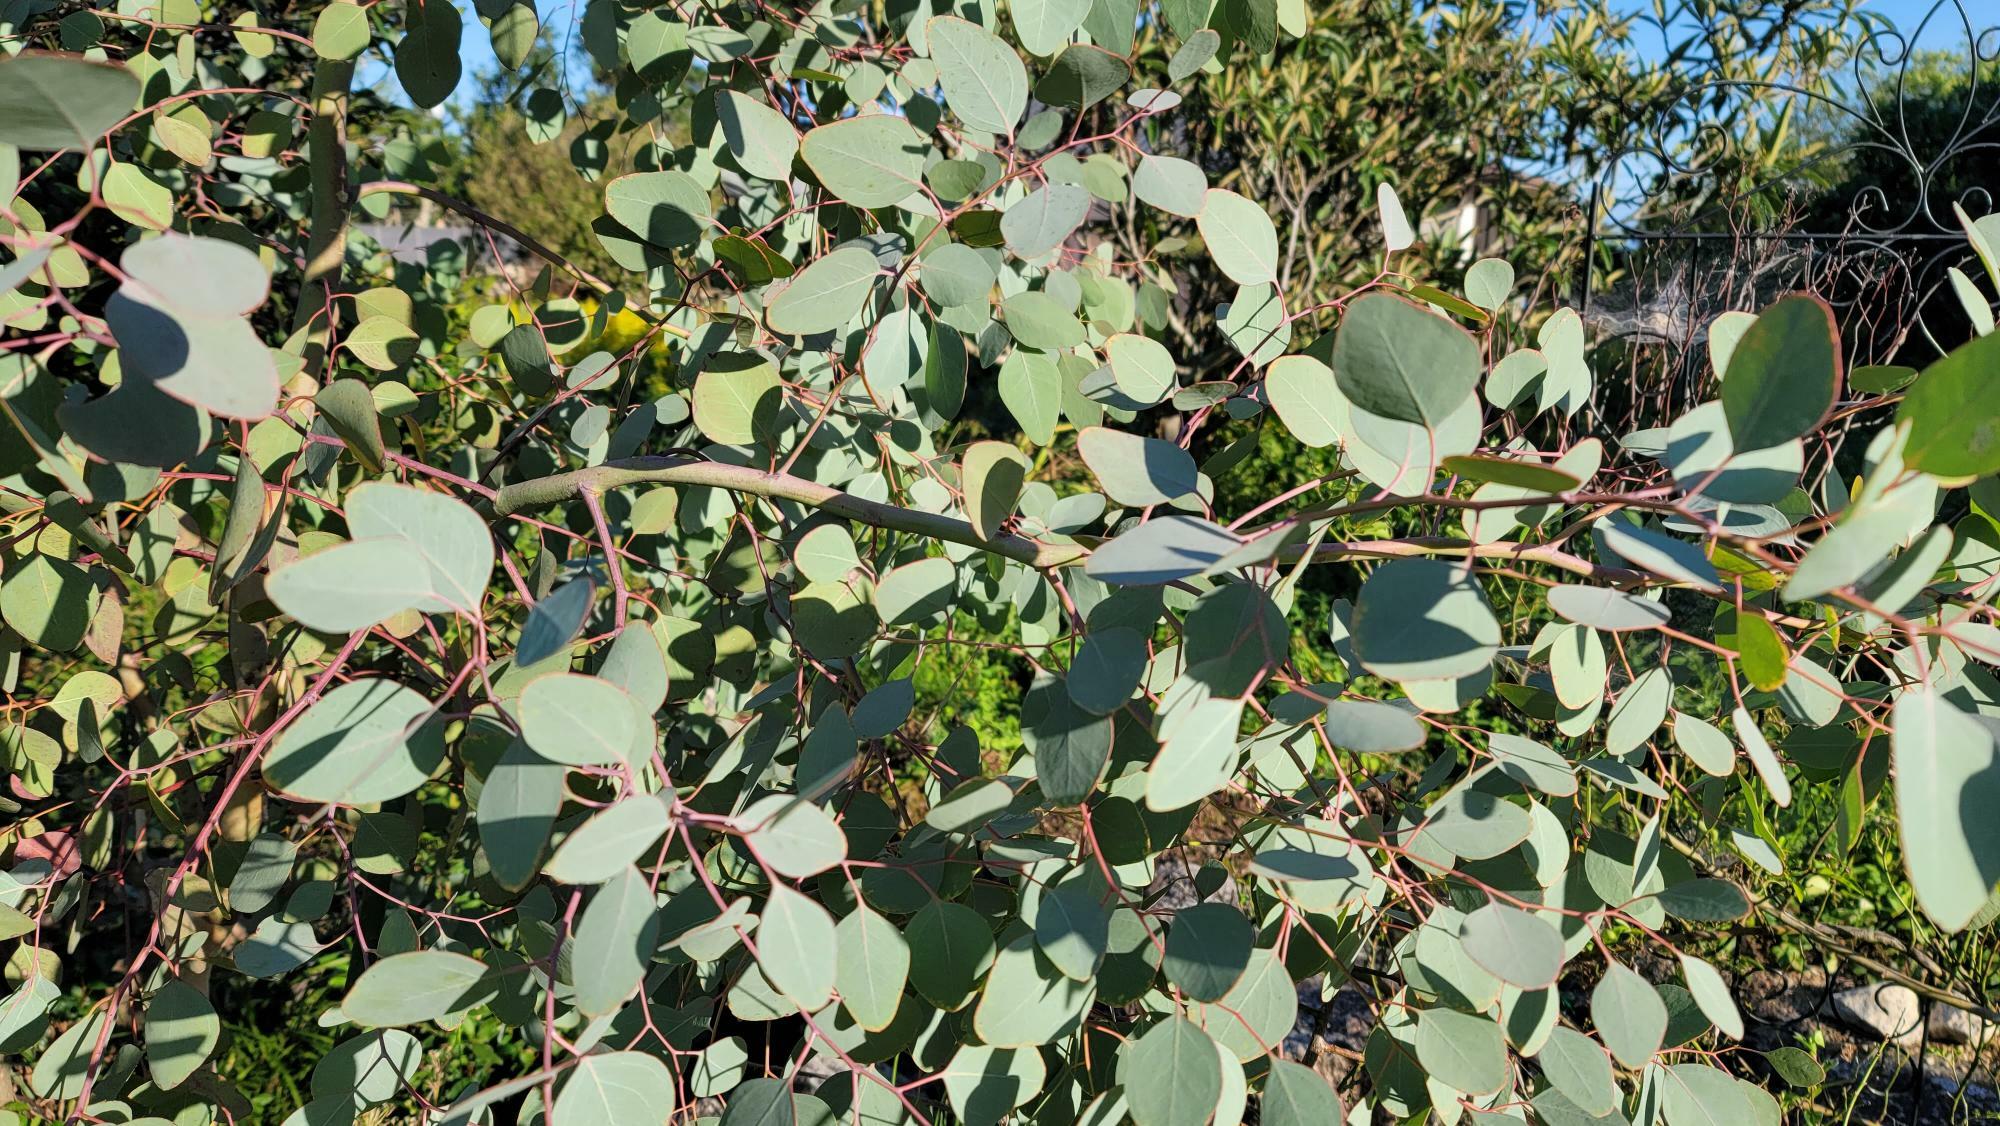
point(956, 946)
point(1613, 611)
point(636, 663)
point(1661, 554)
point(759, 137)
point(455, 544)
point(364, 1071)
point(833, 619)
point(1953, 418)
point(1308, 401)
point(738, 399)
point(992, 477)
point(1240, 238)
point(181, 1030)
point(1175, 186)
point(612, 839)
point(1044, 219)
point(984, 83)
point(667, 209)
point(61, 102)
point(1041, 322)
point(614, 942)
point(1577, 665)
point(179, 321)
point(204, 277)
point(366, 741)
point(1630, 1017)
point(1174, 1076)
point(1141, 366)
point(617, 1087)
point(1784, 373)
point(554, 621)
point(984, 1083)
point(873, 965)
point(1162, 550)
point(1395, 359)
point(1706, 462)
point(1704, 744)
point(1256, 323)
point(762, 1102)
point(1694, 1094)
point(1027, 1002)
point(1475, 824)
point(1706, 900)
point(1296, 1095)
point(340, 31)
point(47, 601)
point(1208, 948)
point(1711, 993)
point(917, 594)
point(955, 274)
point(1082, 76)
point(427, 61)
point(1372, 727)
point(721, 1067)
point(1488, 282)
point(1947, 784)
point(353, 585)
point(1137, 471)
point(1073, 928)
point(1031, 389)
point(1107, 669)
point(1513, 945)
point(579, 720)
point(1464, 1052)
point(794, 837)
point(1640, 709)
point(1044, 26)
point(872, 161)
point(970, 805)
point(1578, 1067)
point(1070, 743)
point(797, 947)
point(1532, 763)
point(411, 988)
point(1420, 619)
point(517, 807)
point(826, 294)
point(383, 343)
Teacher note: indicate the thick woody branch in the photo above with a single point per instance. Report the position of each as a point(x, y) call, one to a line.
point(544, 491)
point(1506, 551)
point(326, 152)
point(561, 487)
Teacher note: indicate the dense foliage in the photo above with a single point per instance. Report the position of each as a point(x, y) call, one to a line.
point(573, 703)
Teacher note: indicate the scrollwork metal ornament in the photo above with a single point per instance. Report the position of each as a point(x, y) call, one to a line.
point(1692, 233)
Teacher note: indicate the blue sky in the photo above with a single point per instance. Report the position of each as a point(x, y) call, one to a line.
point(1946, 31)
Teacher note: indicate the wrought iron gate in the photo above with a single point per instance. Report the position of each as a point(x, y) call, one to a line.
point(1910, 129)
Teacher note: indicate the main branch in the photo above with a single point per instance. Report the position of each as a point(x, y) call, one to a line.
point(544, 491)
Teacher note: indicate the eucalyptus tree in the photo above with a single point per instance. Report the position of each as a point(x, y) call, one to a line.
point(430, 661)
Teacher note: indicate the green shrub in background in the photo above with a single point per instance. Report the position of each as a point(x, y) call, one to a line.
point(581, 736)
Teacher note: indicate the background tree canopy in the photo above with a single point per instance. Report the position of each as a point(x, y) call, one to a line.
point(895, 562)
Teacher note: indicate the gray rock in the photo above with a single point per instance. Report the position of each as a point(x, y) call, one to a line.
point(1177, 884)
point(1889, 1012)
point(1950, 1025)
